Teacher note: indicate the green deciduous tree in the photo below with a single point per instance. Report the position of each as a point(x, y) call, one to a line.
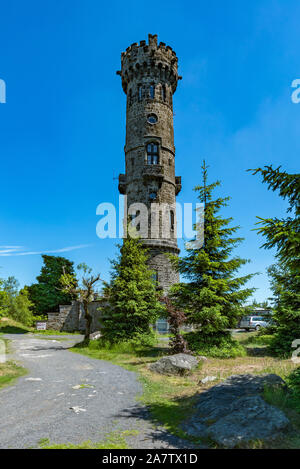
point(131, 300)
point(15, 304)
point(4, 299)
point(20, 308)
point(284, 235)
point(212, 297)
point(46, 295)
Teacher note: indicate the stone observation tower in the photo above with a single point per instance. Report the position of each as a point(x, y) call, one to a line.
point(149, 79)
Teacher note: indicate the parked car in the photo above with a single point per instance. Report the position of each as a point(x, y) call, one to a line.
point(254, 322)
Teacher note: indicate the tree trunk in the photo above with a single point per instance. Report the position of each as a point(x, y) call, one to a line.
point(88, 323)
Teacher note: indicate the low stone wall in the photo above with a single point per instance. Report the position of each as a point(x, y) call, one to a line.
point(70, 318)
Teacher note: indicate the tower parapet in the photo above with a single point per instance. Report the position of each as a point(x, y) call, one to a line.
point(142, 60)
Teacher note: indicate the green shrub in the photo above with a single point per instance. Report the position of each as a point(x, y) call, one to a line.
point(132, 346)
point(285, 397)
point(293, 381)
point(220, 345)
point(131, 300)
point(268, 330)
point(263, 339)
point(281, 344)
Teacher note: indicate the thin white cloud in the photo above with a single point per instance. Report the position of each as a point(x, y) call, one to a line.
point(6, 251)
point(11, 247)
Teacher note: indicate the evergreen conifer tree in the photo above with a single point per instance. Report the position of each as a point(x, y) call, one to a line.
point(212, 297)
point(131, 302)
point(284, 235)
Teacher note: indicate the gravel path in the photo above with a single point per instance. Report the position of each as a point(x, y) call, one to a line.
point(68, 397)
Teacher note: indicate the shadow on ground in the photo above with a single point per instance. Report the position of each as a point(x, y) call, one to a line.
point(13, 330)
point(166, 419)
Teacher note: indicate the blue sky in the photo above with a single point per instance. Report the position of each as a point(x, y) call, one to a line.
point(62, 130)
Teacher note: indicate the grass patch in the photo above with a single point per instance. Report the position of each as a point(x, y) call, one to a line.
point(221, 345)
point(53, 332)
point(9, 326)
point(254, 339)
point(113, 440)
point(9, 371)
point(289, 403)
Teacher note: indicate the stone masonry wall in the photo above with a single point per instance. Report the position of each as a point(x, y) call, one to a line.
point(70, 318)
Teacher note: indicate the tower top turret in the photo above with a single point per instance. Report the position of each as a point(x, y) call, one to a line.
point(141, 60)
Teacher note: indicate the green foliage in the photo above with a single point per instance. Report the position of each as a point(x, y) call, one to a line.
point(293, 381)
point(130, 300)
point(284, 235)
point(286, 397)
point(113, 440)
point(9, 371)
point(20, 308)
point(281, 345)
point(285, 284)
point(216, 345)
point(15, 304)
point(9, 326)
point(46, 295)
point(262, 304)
point(259, 339)
point(4, 299)
point(213, 297)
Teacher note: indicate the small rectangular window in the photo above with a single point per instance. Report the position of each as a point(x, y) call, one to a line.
point(152, 153)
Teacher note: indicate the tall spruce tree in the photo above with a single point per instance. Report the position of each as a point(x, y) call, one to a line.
point(284, 235)
point(131, 301)
point(212, 297)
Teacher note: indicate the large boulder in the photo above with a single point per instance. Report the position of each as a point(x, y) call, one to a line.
point(178, 364)
point(249, 418)
point(233, 412)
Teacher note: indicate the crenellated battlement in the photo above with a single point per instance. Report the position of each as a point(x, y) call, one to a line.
point(143, 60)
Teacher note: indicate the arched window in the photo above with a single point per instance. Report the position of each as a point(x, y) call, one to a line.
point(140, 92)
point(163, 92)
point(152, 91)
point(152, 153)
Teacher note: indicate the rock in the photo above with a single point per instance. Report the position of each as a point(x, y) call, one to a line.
point(249, 419)
point(208, 379)
point(233, 411)
point(202, 358)
point(77, 409)
point(95, 335)
point(178, 364)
